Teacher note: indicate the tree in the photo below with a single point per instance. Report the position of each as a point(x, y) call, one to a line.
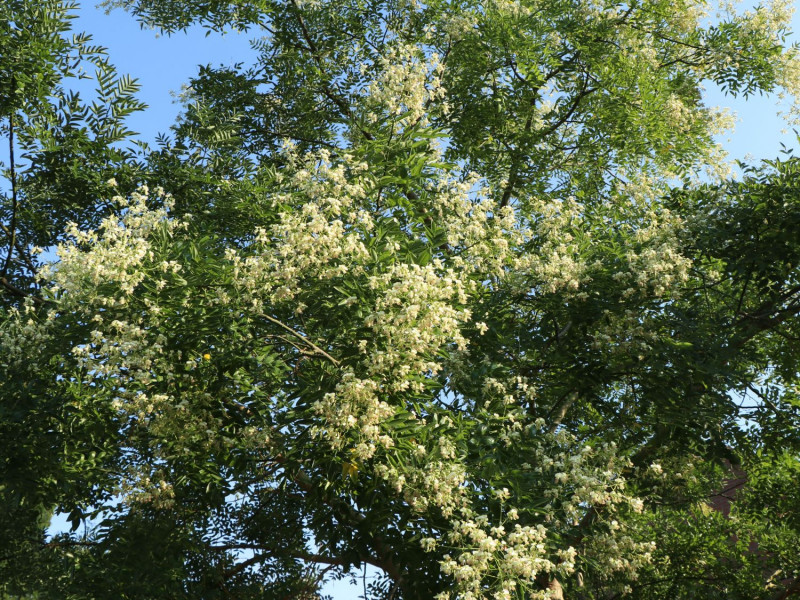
point(455, 290)
point(60, 152)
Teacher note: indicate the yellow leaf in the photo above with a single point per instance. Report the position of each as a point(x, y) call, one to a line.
point(350, 470)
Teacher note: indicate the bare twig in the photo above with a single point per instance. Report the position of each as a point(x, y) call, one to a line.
point(300, 336)
point(14, 203)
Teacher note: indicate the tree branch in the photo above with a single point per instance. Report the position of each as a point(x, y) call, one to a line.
point(268, 552)
point(300, 336)
point(793, 589)
point(20, 293)
point(312, 47)
point(561, 410)
point(356, 518)
point(14, 202)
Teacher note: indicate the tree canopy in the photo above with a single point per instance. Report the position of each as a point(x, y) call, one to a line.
point(463, 291)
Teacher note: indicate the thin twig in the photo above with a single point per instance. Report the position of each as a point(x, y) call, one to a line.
point(23, 255)
point(299, 335)
point(14, 204)
point(326, 90)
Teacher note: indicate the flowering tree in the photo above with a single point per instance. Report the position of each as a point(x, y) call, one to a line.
point(456, 290)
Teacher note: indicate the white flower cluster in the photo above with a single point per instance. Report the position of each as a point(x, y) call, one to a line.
point(502, 558)
point(687, 16)
point(771, 20)
point(654, 269)
point(435, 484)
point(659, 265)
point(788, 69)
point(322, 239)
point(433, 477)
point(511, 8)
point(406, 84)
point(618, 553)
point(417, 311)
point(118, 346)
point(355, 408)
point(512, 556)
point(24, 329)
point(483, 236)
point(456, 25)
point(136, 487)
point(583, 477)
point(117, 249)
point(416, 314)
point(555, 262)
point(680, 117)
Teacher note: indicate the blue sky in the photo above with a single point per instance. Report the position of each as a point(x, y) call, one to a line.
point(163, 64)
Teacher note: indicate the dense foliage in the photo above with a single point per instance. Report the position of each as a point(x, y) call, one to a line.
point(459, 290)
